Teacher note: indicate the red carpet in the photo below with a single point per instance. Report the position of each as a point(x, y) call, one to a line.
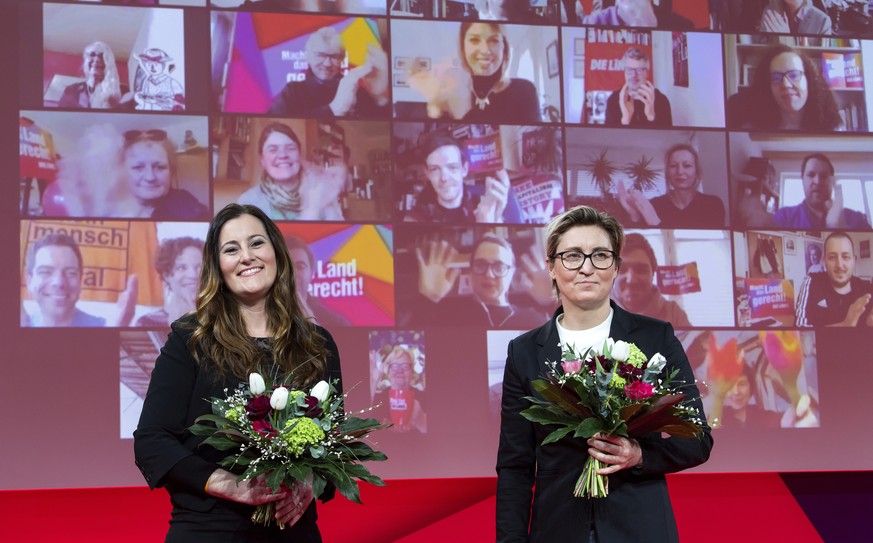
point(711, 508)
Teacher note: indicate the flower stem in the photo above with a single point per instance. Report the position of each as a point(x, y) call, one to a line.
point(591, 484)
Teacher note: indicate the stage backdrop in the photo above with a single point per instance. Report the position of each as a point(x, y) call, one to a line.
point(179, 123)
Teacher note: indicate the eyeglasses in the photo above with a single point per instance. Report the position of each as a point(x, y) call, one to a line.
point(153, 135)
point(636, 71)
point(793, 76)
point(336, 57)
point(498, 269)
point(399, 368)
point(573, 260)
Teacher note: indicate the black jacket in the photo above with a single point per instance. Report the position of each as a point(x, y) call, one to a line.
point(638, 506)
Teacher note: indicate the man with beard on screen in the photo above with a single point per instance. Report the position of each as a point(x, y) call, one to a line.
point(634, 289)
point(835, 297)
point(638, 102)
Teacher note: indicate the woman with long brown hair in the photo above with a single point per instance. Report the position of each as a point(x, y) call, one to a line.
point(247, 319)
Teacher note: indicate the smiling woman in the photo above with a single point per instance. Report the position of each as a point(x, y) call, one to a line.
point(248, 319)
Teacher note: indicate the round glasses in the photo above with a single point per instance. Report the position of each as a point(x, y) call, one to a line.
point(573, 260)
point(793, 76)
point(498, 269)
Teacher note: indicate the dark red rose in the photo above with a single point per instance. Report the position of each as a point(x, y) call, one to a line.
point(258, 407)
point(313, 410)
point(264, 428)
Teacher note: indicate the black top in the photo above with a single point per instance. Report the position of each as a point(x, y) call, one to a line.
point(516, 104)
point(663, 112)
point(169, 456)
point(705, 211)
point(312, 97)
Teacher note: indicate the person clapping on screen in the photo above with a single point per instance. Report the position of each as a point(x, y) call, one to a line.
point(326, 92)
point(638, 102)
point(835, 297)
point(247, 319)
point(447, 198)
point(54, 269)
point(291, 188)
point(794, 17)
point(683, 206)
point(481, 89)
point(822, 205)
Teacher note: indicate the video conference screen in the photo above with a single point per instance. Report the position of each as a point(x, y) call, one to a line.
point(411, 152)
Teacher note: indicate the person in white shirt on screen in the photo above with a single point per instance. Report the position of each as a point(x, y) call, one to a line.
point(291, 188)
point(54, 270)
point(638, 102)
point(634, 288)
point(835, 297)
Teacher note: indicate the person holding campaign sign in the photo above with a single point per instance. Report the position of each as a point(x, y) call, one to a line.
point(447, 197)
point(481, 90)
point(326, 91)
point(291, 188)
point(635, 289)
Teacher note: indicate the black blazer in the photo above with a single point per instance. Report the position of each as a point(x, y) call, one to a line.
point(168, 455)
point(638, 506)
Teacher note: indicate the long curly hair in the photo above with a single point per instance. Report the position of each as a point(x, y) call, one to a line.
point(220, 338)
point(820, 111)
point(108, 91)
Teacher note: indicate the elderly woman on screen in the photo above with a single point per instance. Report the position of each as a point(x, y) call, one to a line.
point(101, 88)
point(247, 319)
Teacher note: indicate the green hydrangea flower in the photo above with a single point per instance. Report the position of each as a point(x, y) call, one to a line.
point(235, 413)
point(304, 432)
point(635, 359)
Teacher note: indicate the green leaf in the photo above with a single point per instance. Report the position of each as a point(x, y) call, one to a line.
point(560, 433)
point(276, 477)
point(318, 485)
point(543, 415)
point(588, 427)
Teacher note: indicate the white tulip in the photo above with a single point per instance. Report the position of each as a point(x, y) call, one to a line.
point(656, 363)
point(320, 390)
point(279, 399)
point(256, 384)
point(621, 351)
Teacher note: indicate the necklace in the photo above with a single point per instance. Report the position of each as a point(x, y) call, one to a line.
point(482, 103)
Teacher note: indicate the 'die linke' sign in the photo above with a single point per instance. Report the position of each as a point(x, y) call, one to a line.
point(336, 280)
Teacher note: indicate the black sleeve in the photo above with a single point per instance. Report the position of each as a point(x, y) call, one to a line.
point(158, 444)
point(613, 110)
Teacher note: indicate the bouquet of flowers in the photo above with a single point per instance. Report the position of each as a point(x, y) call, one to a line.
point(616, 391)
point(290, 435)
